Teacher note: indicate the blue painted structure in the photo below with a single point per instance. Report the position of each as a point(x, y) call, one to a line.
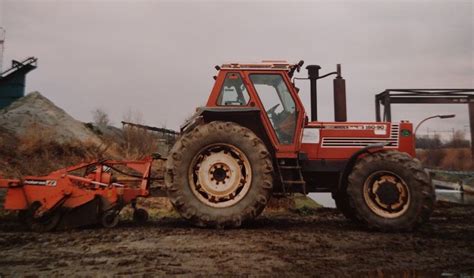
point(12, 81)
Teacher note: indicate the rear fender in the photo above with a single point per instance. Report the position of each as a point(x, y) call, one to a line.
point(248, 117)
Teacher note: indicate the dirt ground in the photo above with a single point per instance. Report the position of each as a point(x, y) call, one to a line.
point(276, 244)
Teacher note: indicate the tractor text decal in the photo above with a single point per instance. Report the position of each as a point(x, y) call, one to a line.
point(378, 129)
point(41, 182)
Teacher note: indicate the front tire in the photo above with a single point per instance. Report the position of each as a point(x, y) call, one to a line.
point(390, 191)
point(219, 175)
point(341, 199)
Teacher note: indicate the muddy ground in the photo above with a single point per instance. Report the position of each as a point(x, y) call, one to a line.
point(276, 244)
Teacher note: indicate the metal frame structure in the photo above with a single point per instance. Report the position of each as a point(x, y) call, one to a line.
point(168, 135)
point(152, 128)
point(425, 96)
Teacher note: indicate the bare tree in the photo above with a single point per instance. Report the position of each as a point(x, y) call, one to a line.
point(458, 140)
point(101, 118)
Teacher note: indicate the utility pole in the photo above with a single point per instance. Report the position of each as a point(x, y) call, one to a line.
point(2, 43)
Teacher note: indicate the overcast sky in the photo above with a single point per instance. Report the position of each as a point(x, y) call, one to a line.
point(158, 57)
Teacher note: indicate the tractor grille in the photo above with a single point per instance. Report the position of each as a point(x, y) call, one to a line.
point(360, 142)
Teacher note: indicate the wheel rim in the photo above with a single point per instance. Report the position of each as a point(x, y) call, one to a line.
point(386, 194)
point(220, 175)
point(110, 219)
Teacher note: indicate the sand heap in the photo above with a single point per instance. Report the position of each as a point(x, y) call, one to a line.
point(36, 112)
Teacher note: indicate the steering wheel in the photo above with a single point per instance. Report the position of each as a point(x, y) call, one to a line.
point(271, 111)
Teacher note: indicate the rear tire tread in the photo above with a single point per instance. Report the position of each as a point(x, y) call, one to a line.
point(175, 182)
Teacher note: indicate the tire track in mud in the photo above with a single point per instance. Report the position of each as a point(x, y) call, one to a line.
point(320, 244)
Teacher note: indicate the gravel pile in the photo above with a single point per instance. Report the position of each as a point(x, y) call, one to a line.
point(36, 112)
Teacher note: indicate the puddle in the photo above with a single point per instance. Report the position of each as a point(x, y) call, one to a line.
point(379, 273)
point(454, 196)
point(323, 199)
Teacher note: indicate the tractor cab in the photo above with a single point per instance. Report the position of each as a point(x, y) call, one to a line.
point(263, 87)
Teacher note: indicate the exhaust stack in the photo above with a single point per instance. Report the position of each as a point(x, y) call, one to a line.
point(313, 76)
point(340, 112)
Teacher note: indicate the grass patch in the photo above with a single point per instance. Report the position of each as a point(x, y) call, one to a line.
point(305, 205)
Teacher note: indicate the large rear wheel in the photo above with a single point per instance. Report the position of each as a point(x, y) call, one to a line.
point(219, 175)
point(389, 191)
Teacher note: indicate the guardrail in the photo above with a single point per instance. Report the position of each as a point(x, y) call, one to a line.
point(458, 186)
point(466, 173)
point(461, 185)
point(448, 185)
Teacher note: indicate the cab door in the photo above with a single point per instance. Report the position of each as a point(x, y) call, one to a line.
point(283, 115)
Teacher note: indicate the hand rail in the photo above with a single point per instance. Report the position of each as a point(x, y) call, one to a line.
point(16, 65)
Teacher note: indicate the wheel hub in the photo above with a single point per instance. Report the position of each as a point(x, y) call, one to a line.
point(386, 194)
point(220, 175)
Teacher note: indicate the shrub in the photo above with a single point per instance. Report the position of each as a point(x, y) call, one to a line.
point(449, 158)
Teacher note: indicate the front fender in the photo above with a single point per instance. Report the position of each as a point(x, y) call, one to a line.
point(373, 148)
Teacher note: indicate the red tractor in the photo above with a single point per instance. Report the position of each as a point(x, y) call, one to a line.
point(253, 139)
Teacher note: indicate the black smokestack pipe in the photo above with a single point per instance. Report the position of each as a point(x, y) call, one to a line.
point(313, 75)
point(340, 113)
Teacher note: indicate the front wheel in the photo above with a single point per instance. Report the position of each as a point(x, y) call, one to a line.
point(342, 204)
point(219, 175)
point(390, 191)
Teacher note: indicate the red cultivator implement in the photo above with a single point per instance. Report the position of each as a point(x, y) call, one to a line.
point(84, 194)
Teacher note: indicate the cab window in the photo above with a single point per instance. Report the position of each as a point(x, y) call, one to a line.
point(233, 91)
point(278, 103)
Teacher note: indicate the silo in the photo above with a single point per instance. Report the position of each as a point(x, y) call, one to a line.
point(13, 80)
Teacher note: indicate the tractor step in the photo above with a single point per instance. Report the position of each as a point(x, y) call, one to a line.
point(291, 177)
